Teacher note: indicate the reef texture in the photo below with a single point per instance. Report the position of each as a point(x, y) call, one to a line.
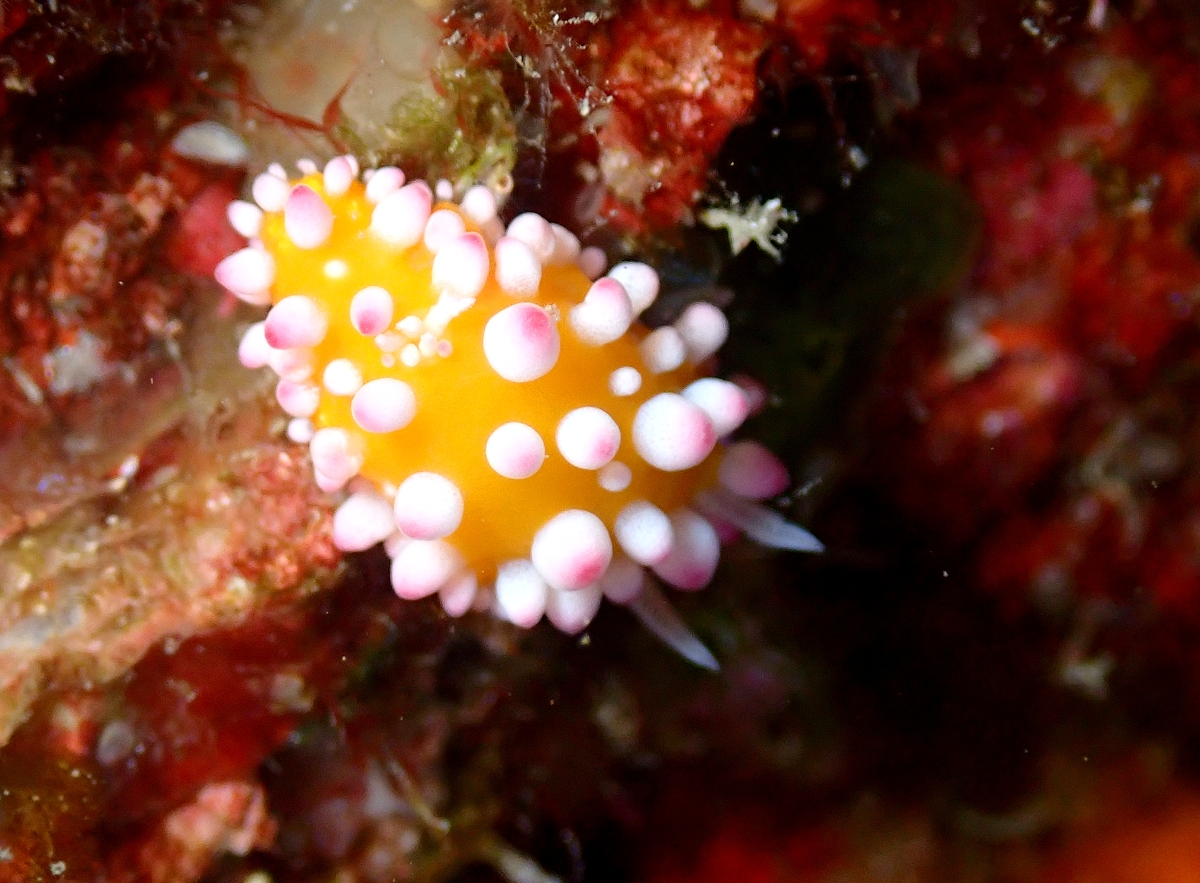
point(956, 243)
point(142, 494)
point(1063, 362)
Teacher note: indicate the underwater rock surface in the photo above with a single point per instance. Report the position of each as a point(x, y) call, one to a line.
point(956, 242)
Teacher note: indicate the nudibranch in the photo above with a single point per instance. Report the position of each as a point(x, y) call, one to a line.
point(489, 403)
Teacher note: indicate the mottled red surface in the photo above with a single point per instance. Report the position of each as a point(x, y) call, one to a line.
point(223, 818)
point(646, 92)
point(740, 852)
point(1050, 417)
point(1122, 832)
point(92, 198)
point(210, 710)
point(154, 776)
point(812, 25)
point(202, 237)
point(679, 79)
point(179, 745)
point(80, 258)
point(106, 253)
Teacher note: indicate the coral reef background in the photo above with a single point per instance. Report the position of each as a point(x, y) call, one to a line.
point(957, 242)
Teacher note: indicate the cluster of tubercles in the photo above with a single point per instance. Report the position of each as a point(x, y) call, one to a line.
point(489, 401)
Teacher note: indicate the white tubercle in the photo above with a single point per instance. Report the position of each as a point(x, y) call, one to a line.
point(604, 315)
point(724, 403)
point(521, 342)
point(458, 593)
point(704, 329)
point(384, 405)
point(461, 266)
point(383, 183)
point(492, 231)
point(640, 281)
point(342, 377)
point(333, 457)
point(371, 310)
point(588, 437)
point(536, 232)
point(515, 450)
point(428, 506)
point(306, 166)
point(479, 204)
point(307, 219)
point(442, 226)
point(363, 520)
point(399, 218)
point(644, 532)
point(295, 321)
point(253, 350)
point(422, 567)
point(671, 433)
point(396, 540)
point(291, 364)
point(663, 350)
point(411, 327)
point(592, 261)
point(694, 555)
point(249, 274)
point(389, 342)
point(518, 271)
point(327, 483)
point(624, 382)
point(566, 245)
point(270, 192)
point(277, 170)
point(245, 217)
point(297, 399)
point(300, 430)
point(338, 175)
point(749, 470)
point(623, 581)
point(520, 593)
point(571, 550)
point(614, 477)
point(427, 343)
point(444, 190)
point(571, 612)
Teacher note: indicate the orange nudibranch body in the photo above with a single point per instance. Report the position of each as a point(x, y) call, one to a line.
point(504, 423)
